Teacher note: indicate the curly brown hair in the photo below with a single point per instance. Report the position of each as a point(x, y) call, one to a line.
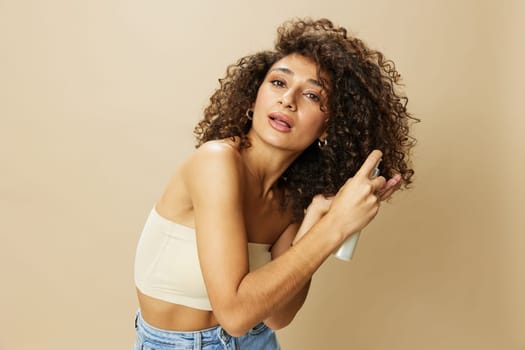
point(365, 110)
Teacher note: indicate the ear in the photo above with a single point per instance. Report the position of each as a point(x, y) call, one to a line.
point(324, 132)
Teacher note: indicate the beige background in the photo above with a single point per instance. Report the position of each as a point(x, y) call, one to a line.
point(97, 104)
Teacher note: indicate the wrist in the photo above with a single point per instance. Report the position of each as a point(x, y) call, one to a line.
point(335, 228)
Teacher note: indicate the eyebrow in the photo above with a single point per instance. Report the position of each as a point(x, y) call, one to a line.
point(290, 72)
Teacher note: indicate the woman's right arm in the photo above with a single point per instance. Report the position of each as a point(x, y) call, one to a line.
point(240, 299)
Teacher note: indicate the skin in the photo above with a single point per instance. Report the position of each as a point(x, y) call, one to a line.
point(228, 195)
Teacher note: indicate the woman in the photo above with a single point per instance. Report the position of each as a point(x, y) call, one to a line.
point(279, 180)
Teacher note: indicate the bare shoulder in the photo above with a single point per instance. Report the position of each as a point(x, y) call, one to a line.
point(215, 169)
point(225, 147)
point(210, 171)
point(213, 158)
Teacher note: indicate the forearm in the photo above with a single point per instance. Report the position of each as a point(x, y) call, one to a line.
point(274, 286)
point(284, 315)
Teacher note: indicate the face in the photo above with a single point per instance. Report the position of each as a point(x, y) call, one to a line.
point(289, 111)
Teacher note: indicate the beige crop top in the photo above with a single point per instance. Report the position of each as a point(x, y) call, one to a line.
point(167, 266)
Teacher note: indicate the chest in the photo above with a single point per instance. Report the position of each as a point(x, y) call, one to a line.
point(265, 220)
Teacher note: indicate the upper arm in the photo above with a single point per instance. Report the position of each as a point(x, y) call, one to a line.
point(214, 180)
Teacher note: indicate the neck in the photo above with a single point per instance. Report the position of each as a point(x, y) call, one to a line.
point(266, 164)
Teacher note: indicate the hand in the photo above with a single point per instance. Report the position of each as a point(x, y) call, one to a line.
point(391, 186)
point(357, 201)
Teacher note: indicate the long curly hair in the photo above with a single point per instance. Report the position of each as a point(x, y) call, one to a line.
point(365, 110)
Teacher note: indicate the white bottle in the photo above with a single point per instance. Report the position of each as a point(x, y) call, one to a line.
point(346, 250)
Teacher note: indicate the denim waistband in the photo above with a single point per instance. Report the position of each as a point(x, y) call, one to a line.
point(195, 338)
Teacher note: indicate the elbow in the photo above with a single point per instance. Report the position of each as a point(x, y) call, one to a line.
point(277, 323)
point(234, 328)
point(238, 321)
point(239, 328)
point(235, 332)
point(235, 323)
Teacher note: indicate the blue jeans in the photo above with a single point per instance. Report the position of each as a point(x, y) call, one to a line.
point(259, 337)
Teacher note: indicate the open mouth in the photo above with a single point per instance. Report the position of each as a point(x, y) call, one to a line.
point(281, 120)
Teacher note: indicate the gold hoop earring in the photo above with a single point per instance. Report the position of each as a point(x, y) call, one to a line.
point(249, 114)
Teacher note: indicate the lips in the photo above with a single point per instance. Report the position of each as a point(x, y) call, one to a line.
point(281, 121)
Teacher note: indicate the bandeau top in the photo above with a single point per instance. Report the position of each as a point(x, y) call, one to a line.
point(167, 265)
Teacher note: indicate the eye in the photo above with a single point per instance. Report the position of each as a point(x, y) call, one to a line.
point(277, 83)
point(312, 97)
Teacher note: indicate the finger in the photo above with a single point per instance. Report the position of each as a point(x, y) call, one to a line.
point(390, 189)
point(392, 182)
point(378, 183)
point(386, 195)
point(369, 164)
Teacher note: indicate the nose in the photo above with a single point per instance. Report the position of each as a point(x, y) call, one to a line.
point(287, 100)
